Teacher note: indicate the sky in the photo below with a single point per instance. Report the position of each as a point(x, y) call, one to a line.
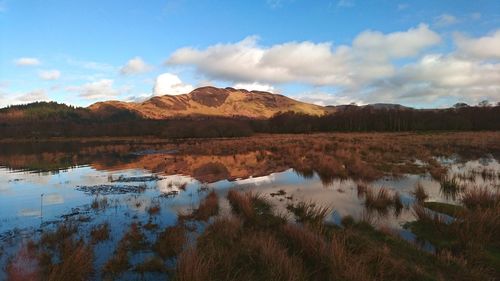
point(424, 54)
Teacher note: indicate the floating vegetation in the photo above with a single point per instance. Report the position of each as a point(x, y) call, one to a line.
point(123, 178)
point(106, 189)
point(169, 194)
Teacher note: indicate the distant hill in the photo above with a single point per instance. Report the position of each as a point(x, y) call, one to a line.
point(211, 101)
point(229, 112)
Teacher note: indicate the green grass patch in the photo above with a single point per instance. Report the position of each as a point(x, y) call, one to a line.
point(444, 208)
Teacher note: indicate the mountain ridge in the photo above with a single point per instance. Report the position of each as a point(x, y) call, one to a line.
point(212, 101)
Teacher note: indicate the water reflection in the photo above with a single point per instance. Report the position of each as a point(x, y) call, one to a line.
point(119, 183)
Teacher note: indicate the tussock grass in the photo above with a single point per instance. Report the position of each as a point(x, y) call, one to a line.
point(309, 213)
point(480, 198)
point(382, 200)
point(420, 193)
point(192, 267)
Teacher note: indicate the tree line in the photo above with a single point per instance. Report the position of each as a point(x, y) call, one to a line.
point(41, 120)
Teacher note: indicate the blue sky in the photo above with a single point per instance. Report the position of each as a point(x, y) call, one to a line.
point(417, 53)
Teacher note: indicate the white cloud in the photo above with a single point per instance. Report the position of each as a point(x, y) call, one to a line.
point(324, 99)
point(135, 66)
point(486, 47)
point(446, 20)
point(438, 76)
point(102, 89)
point(374, 45)
point(35, 95)
point(27, 61)
point(255, 87)
point(170, 84)
point(50, 74)
point(312, 63)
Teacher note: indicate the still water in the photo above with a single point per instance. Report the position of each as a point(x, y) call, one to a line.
point(37, 191)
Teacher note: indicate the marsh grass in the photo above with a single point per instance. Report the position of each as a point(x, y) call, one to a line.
point(480, 198)
point(192, 267)
point(99, 203)
point(207, 208)
point(470, 239)
point(170, 242)
point(117, 264)
point(133, 240)
point(100, 233)
point(420, 193)
point(233, 248)
point(309, 213)
point(382, 200)
point(397, 203)
point(450, 187)
point(151, 264)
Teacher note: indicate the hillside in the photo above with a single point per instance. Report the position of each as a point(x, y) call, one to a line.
point(211, 101)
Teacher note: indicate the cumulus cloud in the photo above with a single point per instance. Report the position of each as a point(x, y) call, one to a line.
point(368, 58)
point(135, 66)
point(437, 76)
point(446, 20)
point(255, 86)
point(486, 47)
point(102, 89)
point(170, 84)
point(50, 74)
point(27, 61)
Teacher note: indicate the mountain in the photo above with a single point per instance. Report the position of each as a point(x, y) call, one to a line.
point(212, 101)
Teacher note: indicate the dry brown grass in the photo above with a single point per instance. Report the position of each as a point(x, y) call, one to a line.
point(274, 258)
point(77, 263)
point(208, 207)
point(480, 198)
point(309, 213)
point(379, 201)
point(118, 264)
point(151, 264)
point(100, 233)
point(192, 267)
point(170, 242)
point(23, 266)
point(241, 203)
